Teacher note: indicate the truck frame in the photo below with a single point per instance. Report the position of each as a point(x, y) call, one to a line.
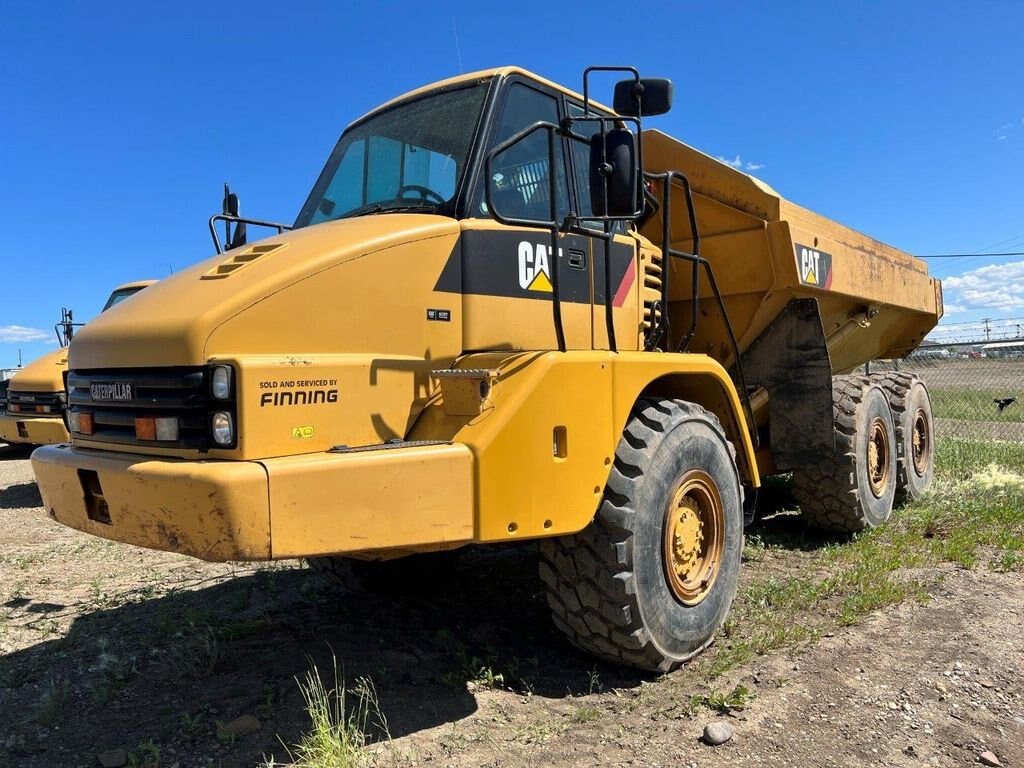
point(508, 312)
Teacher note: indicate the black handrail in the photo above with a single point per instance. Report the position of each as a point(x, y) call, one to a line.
point(552, 224)
point(697, 261)
point(227, 217)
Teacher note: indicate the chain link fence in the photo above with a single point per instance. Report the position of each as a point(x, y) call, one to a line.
point(977, 389)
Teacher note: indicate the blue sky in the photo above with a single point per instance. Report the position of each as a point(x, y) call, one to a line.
point(120, 121)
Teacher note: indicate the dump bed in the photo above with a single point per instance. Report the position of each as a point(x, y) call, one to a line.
point(875, 301)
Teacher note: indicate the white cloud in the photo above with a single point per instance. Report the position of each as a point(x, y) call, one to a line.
point(739, 164)
point(998, 288)
point(15, 334)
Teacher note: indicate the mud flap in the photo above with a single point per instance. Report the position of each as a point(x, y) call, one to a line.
point(790, 360)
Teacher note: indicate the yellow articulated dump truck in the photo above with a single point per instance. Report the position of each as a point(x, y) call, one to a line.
point(35, 399)
point(508, 312)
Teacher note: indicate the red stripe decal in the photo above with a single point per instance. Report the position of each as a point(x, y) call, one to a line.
point(625, 285)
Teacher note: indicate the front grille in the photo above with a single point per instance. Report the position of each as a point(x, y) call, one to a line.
point(181, 392)
point(35, 403)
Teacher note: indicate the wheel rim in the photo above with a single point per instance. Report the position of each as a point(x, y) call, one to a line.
point(694, 537)
point(879, 467)
point(921, 442)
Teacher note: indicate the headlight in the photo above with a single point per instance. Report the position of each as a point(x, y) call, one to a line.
point(222, 426)
point(220, 384)
point(74, 421)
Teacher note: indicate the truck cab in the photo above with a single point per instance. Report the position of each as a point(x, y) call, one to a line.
point(35, 399)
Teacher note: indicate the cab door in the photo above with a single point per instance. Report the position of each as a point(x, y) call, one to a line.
point(505, 270)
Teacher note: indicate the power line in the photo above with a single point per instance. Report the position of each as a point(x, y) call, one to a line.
point(969, 255)
point(1003, 242)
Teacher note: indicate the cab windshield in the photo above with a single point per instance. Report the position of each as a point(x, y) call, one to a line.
point(120, 295)
point(409, 158)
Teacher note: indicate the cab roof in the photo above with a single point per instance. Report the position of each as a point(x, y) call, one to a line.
point(139, 284)
point(483, 74)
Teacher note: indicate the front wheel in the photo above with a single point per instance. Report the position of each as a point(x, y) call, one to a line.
point(652, 578)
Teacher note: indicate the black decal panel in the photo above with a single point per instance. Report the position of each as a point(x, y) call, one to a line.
point(517, 264)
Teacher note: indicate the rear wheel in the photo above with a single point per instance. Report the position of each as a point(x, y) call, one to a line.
point(651, 579)
point(915, 433)
point(853, 487)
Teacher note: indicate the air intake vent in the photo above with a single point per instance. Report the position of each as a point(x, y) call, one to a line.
point(241, 260)
point(651, 291)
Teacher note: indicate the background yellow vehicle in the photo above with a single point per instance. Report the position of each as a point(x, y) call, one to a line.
point(507, 312)
point(35, 399)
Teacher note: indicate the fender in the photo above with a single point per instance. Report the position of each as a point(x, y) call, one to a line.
point(544, 431)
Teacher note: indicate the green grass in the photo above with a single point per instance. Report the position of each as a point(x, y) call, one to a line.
point(585, 713)
point(973, 517)
point(974, 404)
point(341, 723)
point(721, 702)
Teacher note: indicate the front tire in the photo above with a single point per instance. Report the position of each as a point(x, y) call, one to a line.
point(652, 578)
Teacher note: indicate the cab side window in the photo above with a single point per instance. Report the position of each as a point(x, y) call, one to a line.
point(520, 176)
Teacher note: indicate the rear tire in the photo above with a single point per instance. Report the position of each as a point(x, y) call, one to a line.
point(915, 433)
point(652, 578)
point(853, 487)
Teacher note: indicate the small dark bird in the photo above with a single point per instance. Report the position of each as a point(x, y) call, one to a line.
point(1005, 402)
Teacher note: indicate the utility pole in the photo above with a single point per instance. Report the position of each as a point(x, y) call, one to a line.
point(988, 328)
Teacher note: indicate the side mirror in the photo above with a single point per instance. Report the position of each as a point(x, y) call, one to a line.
point(613, 174)
point(231, 209)
point(230, 206)
point(649, 96)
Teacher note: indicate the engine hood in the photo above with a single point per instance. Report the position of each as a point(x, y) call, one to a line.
point(173, 321)
point(44, 374)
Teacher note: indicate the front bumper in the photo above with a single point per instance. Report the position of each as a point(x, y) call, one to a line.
point(298, 506)
point(32, 430)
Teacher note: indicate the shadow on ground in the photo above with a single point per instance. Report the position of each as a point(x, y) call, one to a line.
point(167, 668)
point(10, 452)
point(20, 496)
point(779, 524)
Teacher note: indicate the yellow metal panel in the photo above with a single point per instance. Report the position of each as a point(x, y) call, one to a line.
point(214, 510)
point(321, 289)
point(41, 430)
point(525, 489)
point(44, 374)
point(501, 322)
point(638, 371)
point(384, 499)
point(311, 403)
point(750, 235)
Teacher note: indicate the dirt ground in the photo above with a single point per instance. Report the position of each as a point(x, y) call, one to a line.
point(105, 646)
